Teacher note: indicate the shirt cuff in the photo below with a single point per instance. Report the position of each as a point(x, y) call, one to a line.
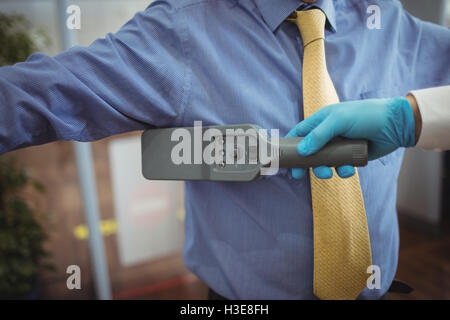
point(434, 106)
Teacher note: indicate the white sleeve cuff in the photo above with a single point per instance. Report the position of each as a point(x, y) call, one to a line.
point(434, 106)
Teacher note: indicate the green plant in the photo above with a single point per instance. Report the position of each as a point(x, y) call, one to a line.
point(22, 238)
point(18, 39)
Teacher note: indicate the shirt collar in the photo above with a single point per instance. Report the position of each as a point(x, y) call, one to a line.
point(275, 12)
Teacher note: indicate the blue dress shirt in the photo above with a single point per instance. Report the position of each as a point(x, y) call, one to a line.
point(228, 62)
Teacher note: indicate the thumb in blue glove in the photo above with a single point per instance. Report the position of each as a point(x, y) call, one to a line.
point(386, 123)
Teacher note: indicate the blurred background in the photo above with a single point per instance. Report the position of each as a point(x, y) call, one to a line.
point(62, 190)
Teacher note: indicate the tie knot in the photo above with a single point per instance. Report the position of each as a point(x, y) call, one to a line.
point(311, 24)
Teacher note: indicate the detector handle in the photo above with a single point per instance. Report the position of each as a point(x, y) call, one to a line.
point(338, 152)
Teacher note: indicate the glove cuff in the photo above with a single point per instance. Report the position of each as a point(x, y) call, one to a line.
point(404, 120)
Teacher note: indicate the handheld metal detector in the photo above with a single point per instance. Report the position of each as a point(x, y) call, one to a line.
point(235, 153)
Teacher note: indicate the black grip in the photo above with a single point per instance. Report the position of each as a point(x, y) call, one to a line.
point(338, 152)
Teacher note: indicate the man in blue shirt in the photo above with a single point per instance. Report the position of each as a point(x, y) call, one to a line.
point(228, 62)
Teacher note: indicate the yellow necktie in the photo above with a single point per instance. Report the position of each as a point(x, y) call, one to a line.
point(341, 238)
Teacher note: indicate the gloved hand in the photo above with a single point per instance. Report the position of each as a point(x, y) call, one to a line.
point(387, 123)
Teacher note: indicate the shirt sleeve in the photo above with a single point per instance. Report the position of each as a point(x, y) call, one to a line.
point(425, 48)
point(434, 106)
point(127, 81)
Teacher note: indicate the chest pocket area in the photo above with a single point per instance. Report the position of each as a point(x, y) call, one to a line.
point(381, 94)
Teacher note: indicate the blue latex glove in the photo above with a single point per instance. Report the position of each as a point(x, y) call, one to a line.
point(387, 123)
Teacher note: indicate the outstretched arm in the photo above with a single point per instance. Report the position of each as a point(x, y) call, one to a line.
point(124, 82)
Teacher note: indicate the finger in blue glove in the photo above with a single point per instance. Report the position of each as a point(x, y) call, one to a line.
point(386, 123)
